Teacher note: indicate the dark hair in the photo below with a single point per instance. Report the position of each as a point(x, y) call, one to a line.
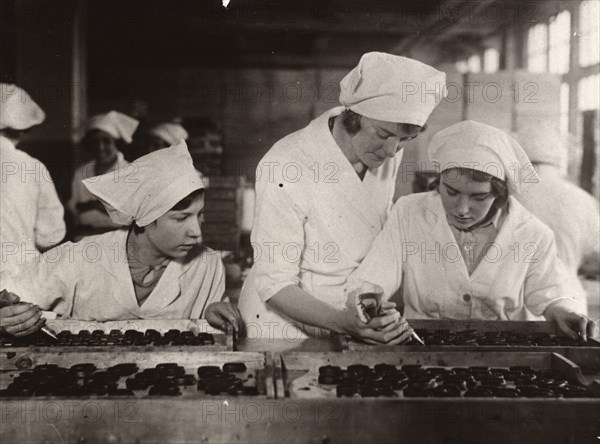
point(351, 123)
point(499, 187)
point(188, 200)
point(179, 206)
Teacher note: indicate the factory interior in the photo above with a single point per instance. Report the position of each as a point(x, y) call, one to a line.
point(284, 325)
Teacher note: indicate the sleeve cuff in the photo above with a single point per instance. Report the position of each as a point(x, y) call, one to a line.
point(568, 304)
point(270, 291)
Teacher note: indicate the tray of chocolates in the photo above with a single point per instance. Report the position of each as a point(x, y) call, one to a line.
point(239, 374)
point(493, 336)
point(434, 375)
point(147, 334)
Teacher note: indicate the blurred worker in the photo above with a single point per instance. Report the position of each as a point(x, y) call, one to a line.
point(31, 214)
point(167, 134)
point(164, 135)
point(105, 135)
point(571, 213)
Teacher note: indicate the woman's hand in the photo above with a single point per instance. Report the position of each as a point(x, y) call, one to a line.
point(19, 319)
point(387, 329)
point(572, 324)
point(221, 314)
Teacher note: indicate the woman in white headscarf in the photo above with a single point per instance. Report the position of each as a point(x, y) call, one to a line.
point(468, 249)
point(165, 134)
point(105, 134)
point(323, 194)
point(570, 211)
point(31, 214)
point(154, 267)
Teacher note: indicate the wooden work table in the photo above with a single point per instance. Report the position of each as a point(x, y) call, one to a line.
point(279, 415)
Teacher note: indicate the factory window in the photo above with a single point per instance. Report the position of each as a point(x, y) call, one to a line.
point(474, 63)
point(589, 111)
point(564, 108)
point(491, 60)
point(589, 37)
point(462, 66)
point(537, 48)
point(559, 33)
point(589, 93)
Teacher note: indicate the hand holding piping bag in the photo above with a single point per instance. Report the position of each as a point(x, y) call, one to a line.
point(369, 304)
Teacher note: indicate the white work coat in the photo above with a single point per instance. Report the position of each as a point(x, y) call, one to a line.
point(31, 214)
point(314, 223)
point(417, 252)
point(90, 280)
point(573, 216)
point(80, 194)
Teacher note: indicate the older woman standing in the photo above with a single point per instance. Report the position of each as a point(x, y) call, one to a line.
point(323, 195)
point(104, 134)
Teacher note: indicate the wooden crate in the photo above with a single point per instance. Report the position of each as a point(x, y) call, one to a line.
point(448, 420)
point(221, 228)
point(255, 363)
point(192, 416)
point(301, 364)
point(588, 357)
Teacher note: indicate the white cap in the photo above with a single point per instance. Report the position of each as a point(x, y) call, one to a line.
point(543, 143)
point(147, 188)
point(393, 88)
point(481, 147)
point(169, 132)
point(118, 125)
point(18, 111)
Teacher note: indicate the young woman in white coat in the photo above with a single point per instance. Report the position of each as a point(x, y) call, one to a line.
point(468, 249)
point(155, 267)
point(323, 194)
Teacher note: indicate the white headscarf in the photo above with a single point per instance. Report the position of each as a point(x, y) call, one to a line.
point(18, 110)
point(118, 125)
point(543, 143)
point(170, 132)
point(480, 147)
point(393, 88)
point(149, 187)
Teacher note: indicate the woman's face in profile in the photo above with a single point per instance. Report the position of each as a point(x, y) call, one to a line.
point(466, 202)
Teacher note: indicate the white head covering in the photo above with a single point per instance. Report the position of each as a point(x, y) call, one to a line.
point(543, 143)
point(170, 132)
point(147, 188)
point(18, 111)
point(483, 148)
point(117, 124)
point(393, 88)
